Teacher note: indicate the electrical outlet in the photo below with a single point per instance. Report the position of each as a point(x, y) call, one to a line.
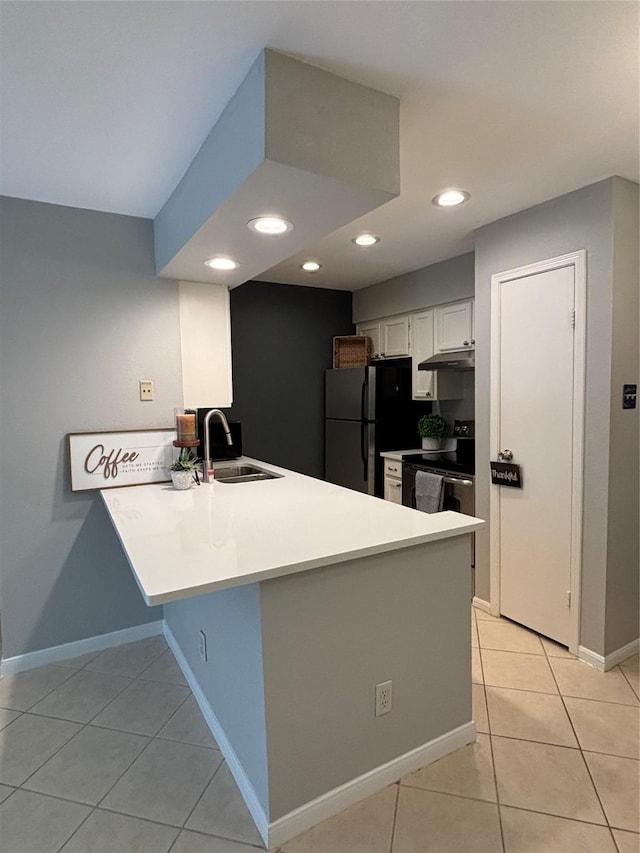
point(146, 389)
point(202, 640)
point(384, 697)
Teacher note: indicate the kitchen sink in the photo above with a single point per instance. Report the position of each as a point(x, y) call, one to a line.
point(242, 474)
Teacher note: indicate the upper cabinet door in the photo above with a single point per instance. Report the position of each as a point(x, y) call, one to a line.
point(454, 326)
point(372, 330)
point(422, 347)
point(395, 336)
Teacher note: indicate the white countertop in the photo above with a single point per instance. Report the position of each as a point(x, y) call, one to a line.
point(185, 543)
point(398, 454)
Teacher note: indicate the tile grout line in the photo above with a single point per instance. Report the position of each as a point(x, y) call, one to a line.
point(628, 680)
point(49, 692)
point(584, 760)
point(151, 738)
point(395, 817)
point(83, 726)
point(204, 790)
point(82, 823)
point(493, 759)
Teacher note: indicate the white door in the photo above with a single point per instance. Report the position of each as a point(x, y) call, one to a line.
point(536, 394)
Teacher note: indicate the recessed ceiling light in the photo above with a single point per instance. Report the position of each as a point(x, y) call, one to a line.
point(450, 198)
point(272, 225)
point(311, 266)
point(221, 263)
point(366, 239)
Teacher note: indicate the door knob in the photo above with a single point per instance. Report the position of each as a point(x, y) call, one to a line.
point(505, 455)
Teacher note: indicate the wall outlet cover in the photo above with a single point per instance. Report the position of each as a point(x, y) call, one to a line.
point(146, 389)
point(384, 697)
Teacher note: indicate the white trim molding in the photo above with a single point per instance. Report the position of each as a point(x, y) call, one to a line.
point(55, 654)
point(283, 829)
point(340, 798)
point(578, 260)
point(607, 662)
point(237, 771)
point(481, 604)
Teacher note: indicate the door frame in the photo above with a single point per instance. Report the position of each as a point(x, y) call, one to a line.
point(578, 260)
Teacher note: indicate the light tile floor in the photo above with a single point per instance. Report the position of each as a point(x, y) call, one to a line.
point(109, 753)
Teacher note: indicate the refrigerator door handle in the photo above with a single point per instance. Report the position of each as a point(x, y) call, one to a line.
point(363, 397)
point(364, 444)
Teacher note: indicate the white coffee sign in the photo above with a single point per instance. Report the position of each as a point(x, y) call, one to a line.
point(107, 460)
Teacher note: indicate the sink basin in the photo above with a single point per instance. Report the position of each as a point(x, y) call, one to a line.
point(242, 474)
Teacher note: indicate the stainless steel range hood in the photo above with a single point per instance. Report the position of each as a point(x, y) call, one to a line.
point(464, 360)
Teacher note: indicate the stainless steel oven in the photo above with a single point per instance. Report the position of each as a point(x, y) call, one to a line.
point(459, 491)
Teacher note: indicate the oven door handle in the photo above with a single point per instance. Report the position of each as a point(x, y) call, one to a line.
point(455, 481)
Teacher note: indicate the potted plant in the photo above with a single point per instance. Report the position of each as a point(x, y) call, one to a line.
point(183, 470)
point(432, 428)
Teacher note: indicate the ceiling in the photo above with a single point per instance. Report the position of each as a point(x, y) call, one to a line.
point(105, 104)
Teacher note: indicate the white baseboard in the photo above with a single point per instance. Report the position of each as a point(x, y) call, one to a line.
point(311, 813)
point(242, 780)
point(607, 662)
point(481, 604)
point(55, 654)
point(346, 795)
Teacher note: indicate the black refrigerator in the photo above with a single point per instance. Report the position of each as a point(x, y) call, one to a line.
point(367, 410)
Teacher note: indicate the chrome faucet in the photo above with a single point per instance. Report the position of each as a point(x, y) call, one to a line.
point(207, 470)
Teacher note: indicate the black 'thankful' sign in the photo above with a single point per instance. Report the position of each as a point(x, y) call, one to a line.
point(506, 474)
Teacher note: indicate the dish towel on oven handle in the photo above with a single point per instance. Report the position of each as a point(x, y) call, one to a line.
point(429, 491)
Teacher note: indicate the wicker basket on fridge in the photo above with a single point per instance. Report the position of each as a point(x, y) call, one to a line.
point(351, 351)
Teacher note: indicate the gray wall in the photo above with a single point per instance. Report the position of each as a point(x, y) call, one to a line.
point(82, 318)
point(581, 220)
point(298, 712)
point(232, 677)
point(405, 617)
point(282, 338)
point(447, 281)
point(623, 559)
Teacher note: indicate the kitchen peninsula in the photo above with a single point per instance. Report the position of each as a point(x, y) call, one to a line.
point(286, 601)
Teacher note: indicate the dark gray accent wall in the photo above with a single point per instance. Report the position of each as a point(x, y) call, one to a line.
point(82, 318)
point(282, 342)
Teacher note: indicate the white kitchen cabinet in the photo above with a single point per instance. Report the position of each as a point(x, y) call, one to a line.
point(429, 384)
point(395, 337)
point(422, 346)
point(205, 339)
point(393, 481)
point(389, 336)
point(454, 326)
point(372, 330)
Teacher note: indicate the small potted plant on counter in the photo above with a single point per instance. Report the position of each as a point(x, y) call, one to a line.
point(184, 470)
point(432, 428)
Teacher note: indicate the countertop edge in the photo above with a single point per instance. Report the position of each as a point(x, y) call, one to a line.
point(460, 526)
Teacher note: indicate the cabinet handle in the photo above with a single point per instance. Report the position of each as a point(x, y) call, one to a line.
point(428, 394)
point(391, 469)
point(473, 340)
point(465, 343)
point(395, 485)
